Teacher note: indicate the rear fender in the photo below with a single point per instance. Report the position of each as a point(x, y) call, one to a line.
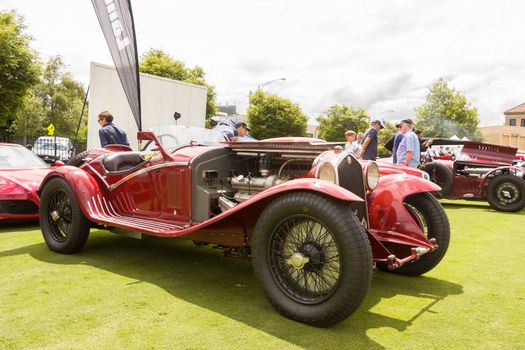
point(387, 213)
point(84, 185)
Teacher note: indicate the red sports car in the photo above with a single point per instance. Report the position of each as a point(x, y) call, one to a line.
point(313, 219)
point(21, 173)
point(480, 171)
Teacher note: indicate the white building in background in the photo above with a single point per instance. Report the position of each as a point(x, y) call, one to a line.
point(160, 98)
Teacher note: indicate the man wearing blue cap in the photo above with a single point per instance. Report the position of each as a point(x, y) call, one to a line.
point(369, 148)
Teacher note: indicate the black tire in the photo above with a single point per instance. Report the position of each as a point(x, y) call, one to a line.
point(506, 193)
point(431, 217)
point(338, 272)
point(440, 175)
point(64, 226)
point(78, 159)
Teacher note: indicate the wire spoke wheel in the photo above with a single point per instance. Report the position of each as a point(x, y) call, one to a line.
point(418, 216)
point(304, 259)
point(64, 227)
point(60, 215)
point(312, 258)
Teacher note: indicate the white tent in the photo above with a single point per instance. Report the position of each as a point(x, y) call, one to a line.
point(465, 138)
point(454, 137)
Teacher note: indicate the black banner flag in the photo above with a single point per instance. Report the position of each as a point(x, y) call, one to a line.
point(116, 19)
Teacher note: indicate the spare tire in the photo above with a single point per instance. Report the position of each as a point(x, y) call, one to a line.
point(78, 159)
point(441, 175)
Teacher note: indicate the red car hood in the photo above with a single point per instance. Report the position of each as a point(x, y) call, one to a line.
point(27, 178)
point(388, 169)
point(486, 153)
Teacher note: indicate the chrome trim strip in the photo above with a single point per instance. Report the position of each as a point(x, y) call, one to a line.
point(97, 173)
point(145, 170)
point(277, 150)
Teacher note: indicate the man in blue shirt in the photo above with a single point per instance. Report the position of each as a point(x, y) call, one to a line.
point(369, 149)
point(408, 152)
point(109, 133)
point(397, 140)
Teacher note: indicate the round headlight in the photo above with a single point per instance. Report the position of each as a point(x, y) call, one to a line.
point(371, 175)
point(327, 172)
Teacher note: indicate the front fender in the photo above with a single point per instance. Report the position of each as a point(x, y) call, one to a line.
point(83, 184)
point(386, 210)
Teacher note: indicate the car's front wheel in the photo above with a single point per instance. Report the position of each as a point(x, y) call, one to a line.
point(506, 193)
point(312, 258)
point(64, 226)
point(430, 216)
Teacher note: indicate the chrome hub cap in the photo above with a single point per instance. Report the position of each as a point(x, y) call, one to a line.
point(55, 215)
point(298, 260)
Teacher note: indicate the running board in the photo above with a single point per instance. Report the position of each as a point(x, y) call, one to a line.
point(103, 212)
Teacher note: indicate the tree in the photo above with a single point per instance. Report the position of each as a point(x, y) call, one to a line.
point(19, 68)
point(157, 62)
point(273, 116)
point(446, 112)
point(340, 118)
point(57, 99)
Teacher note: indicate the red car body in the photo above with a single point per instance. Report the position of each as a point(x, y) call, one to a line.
point(21, 173)
point(481, 171)
point(222, 195)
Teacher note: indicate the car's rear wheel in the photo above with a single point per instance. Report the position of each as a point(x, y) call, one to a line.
point(430, 216)
point(440, 175)
point(312, 258)
point(64, 226)
point(506, 193)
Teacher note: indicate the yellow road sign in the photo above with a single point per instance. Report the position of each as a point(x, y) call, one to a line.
point(51, 129)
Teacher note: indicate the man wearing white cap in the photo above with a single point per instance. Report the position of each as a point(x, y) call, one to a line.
point(408, 152)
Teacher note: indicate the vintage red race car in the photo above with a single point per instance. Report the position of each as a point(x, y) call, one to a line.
point(21, 173)
point(480, 171)
point(313, 219)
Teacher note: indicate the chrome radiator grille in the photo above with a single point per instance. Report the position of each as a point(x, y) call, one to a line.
point(350, 174)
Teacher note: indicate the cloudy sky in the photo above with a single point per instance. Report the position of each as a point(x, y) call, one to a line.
point(380, 55)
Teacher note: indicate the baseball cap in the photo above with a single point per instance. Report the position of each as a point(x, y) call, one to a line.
point(239, 124)
point(378, 122)
point(407, 121)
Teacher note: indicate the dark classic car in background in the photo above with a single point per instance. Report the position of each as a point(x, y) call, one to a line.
point(479, 171)
point(313, 219)
point(21, 173)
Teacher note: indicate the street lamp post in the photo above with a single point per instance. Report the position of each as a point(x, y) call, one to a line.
point(260, 86)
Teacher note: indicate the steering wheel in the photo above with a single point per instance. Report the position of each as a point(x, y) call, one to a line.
point(160, 137)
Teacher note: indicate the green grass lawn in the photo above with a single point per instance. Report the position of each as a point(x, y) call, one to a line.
point(119, 292)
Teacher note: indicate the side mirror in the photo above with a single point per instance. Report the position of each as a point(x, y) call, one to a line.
point(176, 116)
point(58, 163)
point(29, 146)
